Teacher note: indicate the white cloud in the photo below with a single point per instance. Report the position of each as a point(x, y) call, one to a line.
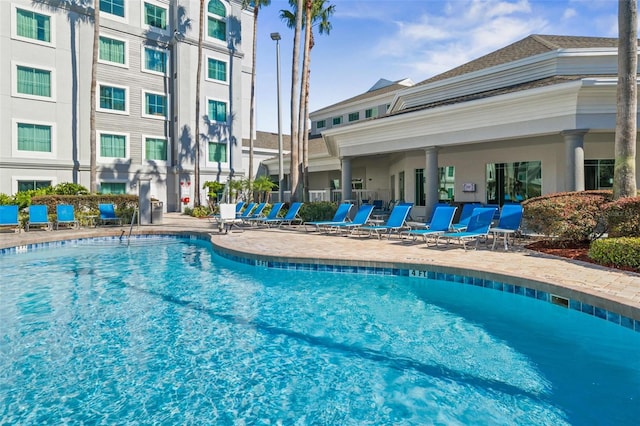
point(569, 13)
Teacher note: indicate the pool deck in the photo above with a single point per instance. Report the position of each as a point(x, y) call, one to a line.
point(609, 289)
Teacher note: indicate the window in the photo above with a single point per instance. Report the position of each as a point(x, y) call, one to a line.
point(113, 146)
point(155, 149)
point(401, 186)
point(217, 70)
point(113, 7)
point(368, 113)
point(33, 81)
point(419, 195)
point(216, 20)
point(155, 16)
point(354, 116)
point(155, 105)
point(112, 50)
point(513, 181)
point(34, 137)
point(217, 152)
point(321, 124)
point(30, 185)
point(155, 60)
point(598, 174)
point(113, 187)
point(217, 111)
point(446, 183)
point(337, 121)
point(113, 98)
point(33, 25)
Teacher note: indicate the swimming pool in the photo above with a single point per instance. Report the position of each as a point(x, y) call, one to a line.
point(165, 331)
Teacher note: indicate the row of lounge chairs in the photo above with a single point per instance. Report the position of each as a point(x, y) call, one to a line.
point(65, 216)
point(252, 214)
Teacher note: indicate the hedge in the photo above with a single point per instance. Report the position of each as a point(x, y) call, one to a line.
point(623, 217)
point(618, 252)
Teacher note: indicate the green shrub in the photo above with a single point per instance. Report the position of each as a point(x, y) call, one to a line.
point(68, 188)
point(571, 217)
point(617, 252)
point(199, 211)
point(319, 210)
point(623, 217)
point(6, 200)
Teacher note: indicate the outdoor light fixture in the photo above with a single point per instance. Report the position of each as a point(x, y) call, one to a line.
point(276, 37)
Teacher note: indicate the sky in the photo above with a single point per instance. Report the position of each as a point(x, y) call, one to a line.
point(415, 39)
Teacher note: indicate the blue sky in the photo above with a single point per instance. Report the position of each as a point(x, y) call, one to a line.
point(416, 39)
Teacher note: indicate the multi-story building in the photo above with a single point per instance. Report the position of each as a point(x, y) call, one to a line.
point(145, 94)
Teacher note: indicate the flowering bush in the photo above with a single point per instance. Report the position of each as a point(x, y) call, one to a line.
point(571, 217)
point(617, 252)
point(623, 217)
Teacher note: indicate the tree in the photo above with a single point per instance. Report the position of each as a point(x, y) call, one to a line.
point(93, 170)
point(624, 173)
point(257, 4)
point(196, 157)
point(315, 13)
point(288, 17)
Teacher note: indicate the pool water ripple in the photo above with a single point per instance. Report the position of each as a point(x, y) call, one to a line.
point(168, 332)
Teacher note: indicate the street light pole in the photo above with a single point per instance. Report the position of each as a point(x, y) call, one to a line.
point(276, 37)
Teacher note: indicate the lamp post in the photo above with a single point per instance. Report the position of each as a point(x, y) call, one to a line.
point(276, 37)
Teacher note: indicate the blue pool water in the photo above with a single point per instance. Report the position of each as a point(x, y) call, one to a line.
point(166, 332)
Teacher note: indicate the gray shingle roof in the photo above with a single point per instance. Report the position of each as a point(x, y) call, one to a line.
point(366, 95)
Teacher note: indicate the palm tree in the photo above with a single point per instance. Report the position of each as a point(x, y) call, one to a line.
point(196, 166)
point(316, 13)
point(294, 20)
point(257, 4)
point(624, 174)
point(93, 170)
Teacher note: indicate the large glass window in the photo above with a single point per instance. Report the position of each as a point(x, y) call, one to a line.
point(155, 149)
point(113, 98)
point(155, 60)
point(598, 174)
point(114, 146)
point(446, 183)
point(217, 152)
point(33, 81)
point(113, 187)
point(155, 16)
point(218, 111)
point(30, 185)
point(216, 20)
point(34, 137)
point(513, 182)
point(217, 70)
point(419, 195)
point(112, 50)
point(33, 25)
point(114, 7)
point(155, 104)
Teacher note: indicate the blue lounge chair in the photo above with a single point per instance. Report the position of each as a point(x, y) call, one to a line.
point(65, 215)
point(258, 219)
point(395, 223)
point(39, 216)
point(360, 219)
point(246, 212)
point(465, 214)
point(9, 217)
point(341, 215)
point(288, 219)
point(108, 214)
point(440, 223)
point(508, 224)
point(256, 213)
point(478, 227)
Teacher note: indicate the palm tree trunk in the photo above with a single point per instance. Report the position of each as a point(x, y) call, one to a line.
point(253, 90)
point(93, 170)
point(196, 156)
point(624, 175)
point(295, 162)
point(304, 100)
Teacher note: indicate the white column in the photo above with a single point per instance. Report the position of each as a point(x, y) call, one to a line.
point(574, 159)
point(347, 193)
point(431, 184)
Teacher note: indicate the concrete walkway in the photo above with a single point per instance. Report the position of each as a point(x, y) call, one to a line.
point(609, 289)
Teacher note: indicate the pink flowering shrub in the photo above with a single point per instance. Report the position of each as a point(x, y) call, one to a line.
point(569, 217)
point(623, 217)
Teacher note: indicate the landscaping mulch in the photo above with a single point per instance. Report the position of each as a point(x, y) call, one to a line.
point(579, 251)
